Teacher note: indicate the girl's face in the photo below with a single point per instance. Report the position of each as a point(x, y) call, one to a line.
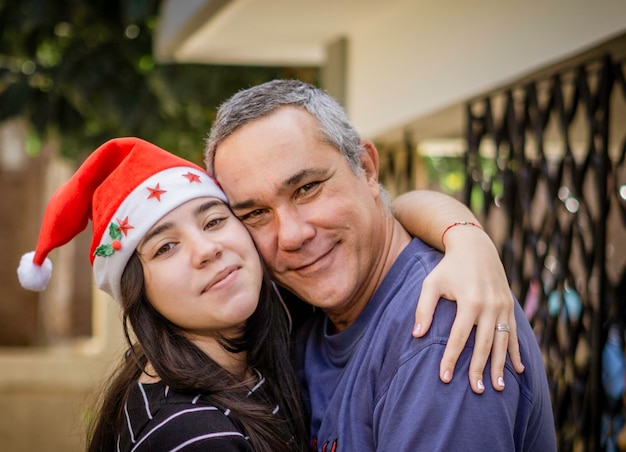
point(201, 269)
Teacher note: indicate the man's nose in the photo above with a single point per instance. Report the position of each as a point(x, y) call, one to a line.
point(293, 230)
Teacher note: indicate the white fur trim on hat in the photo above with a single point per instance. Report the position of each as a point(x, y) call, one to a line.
point(143, 212)
point(32, 276)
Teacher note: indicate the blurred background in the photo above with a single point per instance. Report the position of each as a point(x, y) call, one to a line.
point(518, 109)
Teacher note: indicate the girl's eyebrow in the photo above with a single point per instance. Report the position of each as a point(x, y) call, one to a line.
point(208, 205)
point(165, 226)
point(154, 232)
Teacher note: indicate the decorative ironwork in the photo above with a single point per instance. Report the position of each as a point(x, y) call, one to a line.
point(544, 175)
point(397, 166)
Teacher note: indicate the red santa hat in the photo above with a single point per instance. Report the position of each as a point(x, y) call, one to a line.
point(124, 187)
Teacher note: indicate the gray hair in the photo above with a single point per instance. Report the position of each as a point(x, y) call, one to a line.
point(262, 100)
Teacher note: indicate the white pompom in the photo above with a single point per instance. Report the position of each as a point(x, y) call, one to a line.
point(31, 276)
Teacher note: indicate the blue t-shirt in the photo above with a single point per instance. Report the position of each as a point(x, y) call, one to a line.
point(375, 387)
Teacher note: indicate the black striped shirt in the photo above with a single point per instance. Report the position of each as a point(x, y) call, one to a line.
point(160, 419)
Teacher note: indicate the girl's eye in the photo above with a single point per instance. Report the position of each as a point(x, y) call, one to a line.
point(214, 223)
point(164, 249)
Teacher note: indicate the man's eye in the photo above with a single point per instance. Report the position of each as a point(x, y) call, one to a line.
point(254, 214)
point(307, 188)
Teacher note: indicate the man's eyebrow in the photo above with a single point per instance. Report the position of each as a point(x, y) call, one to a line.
point(306, 173)
point(287, 184)
point(247, 204)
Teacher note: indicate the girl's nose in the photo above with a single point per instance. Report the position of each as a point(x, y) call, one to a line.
point(205, 251)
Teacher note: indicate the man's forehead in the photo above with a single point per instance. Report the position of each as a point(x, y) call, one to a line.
point(271, 154)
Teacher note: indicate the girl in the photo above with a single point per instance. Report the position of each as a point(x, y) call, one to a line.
point(212, 338)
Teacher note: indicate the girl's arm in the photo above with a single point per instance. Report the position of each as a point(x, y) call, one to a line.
point(472, 274)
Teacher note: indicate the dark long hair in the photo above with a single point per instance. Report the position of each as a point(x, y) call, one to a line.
point(185, 368)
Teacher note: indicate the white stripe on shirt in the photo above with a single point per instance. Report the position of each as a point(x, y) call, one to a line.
point(207, 436)
point(175, 415)
point(145, 400)
point(256, 386)
point(130, 427)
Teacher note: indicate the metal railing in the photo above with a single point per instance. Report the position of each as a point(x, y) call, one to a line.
point(546, 168)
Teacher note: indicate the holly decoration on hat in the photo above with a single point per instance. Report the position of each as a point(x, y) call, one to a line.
point(115, 232)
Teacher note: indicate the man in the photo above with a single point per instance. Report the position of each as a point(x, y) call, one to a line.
point(306, 186)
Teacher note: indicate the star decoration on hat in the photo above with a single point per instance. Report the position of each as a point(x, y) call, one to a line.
point(156, 192)
point(192, 177)
point(123, 226)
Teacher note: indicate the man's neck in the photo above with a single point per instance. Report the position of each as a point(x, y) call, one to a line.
point(396, 239)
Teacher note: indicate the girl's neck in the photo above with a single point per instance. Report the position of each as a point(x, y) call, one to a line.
point(235, 363)
point(149, 375)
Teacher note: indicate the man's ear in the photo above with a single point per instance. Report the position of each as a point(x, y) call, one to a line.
point(369, 162)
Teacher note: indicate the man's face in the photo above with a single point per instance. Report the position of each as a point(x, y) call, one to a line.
point(318, 225)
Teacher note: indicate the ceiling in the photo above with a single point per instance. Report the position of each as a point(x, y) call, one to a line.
point(515, 42)
point(258, 32)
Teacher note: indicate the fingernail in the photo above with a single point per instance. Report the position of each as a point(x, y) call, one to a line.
point(501, 382)
point(417, 329)
point(480, 384)
point(446, 376)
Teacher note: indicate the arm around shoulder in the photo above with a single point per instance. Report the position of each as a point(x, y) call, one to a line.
point(419, 412)
point(471, 273)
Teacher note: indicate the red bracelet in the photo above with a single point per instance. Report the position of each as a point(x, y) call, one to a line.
point(457, 223)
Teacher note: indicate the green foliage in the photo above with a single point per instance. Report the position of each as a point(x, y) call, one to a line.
point(83, 70)
point(447, 174)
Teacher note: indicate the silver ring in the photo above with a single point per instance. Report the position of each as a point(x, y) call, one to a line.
point(503, 327)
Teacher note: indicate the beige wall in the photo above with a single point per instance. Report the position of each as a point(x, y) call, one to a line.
point(50, 370)
point(47, 394)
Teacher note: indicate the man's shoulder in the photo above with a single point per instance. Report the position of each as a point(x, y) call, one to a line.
point(417, 257)
point(405, 278)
